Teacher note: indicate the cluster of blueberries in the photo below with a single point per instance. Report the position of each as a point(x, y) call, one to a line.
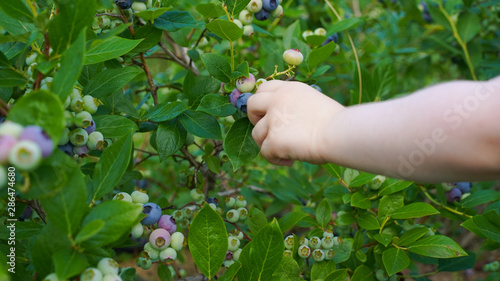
point(107, 270)
point(319, 249)
point(263, 10)
point(457, 191)
point(104, 23)
point(236, 211)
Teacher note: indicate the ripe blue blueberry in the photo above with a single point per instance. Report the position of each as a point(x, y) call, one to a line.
point(270, 5)
point(159, 239)
point(453, 195)
point(37, 135)
point(142, 183)
point(464, 186)
point(262, 15)
point(153, 212)
point(241, 102)
point(90, 129)
point(213, 200)
point(124, 4)
point(168, 223)
point(332, 38)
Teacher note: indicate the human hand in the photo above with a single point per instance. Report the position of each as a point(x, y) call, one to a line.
point(291, 120)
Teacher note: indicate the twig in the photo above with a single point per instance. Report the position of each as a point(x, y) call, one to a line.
point(178, 60)
point(237, 227)
point(46, 52)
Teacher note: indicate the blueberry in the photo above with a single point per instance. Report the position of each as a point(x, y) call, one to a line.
point(153, 212)
point(124, 4)
point(95, 141)
point(244, 84)
point(317, 88)
point(177, 241)
point(168, 223)
point(464, 186)
point(262, 15)
point(159, 239)
point(91, 274)
point(91, 128)
point(25, 155)
point(233, 97)
point(453, 195)
point(142, 183)
point(81, 151)
point(304, 251)
point(318, 255)
point(213, 200)
point(26, 214)
point(241, 102)
point(270, 5)
point(332, 38)
point(37, 135)
point(108, 266)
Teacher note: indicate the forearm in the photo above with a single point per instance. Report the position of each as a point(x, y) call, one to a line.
point(447, 132)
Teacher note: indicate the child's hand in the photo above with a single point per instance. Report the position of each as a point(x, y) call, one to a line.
point(290, 121)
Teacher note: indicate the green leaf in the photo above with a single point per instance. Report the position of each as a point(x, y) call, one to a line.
point(169, 139)
point(118, 217)
point(457, 264)
point(383, 238)
point(288, 270)
point(359, 200)
point(344, 24)
point(201, 88)
point(216, 105)
point(480, 197)
point(231, 272)
point(414, 210)
point(65, 28)
point(103, 50)
point(391, 186)
point(65, 208)
point(437, 246)
point(71, 67)
point(489, 225)
point(411, 236)
point(241, 70)
point(334, 170)
point(210, 10)
point(17, 10)
point(111, 166)
point(342, 250)
point(472, 227)
point(105, 83)
point(69, 263)
point(166, 111)
point(225, 29)
point(321, 269)
point(395, 260)
point(114, 126)
point(151, 14)
point(164, 273)
point(363, 273)
point(175, 20)
point(40, 108)
point(324, 213)
point(213, 163)
point(256, 220)
point(48, 242)
point(321, 54)
point(337, 275)
point(468, 26)
point(151, 37)
point(368, 221)
point(384, 78)
point(201, 124)
point(289, 220)
point(11, 78)
point(217, 66)
point(208, 241)
point(389, 203)
point(91, 229)
point(24, 230)
point(362, 179)
point(235, 6)
point(239, 144)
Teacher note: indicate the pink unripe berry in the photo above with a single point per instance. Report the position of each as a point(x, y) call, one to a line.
point(6, 144)
point(244, 84)
point(233, 97)
point(293, 57)
point(168, 223)
point(159, 239)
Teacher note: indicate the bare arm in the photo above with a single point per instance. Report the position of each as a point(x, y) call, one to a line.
point(447, 132)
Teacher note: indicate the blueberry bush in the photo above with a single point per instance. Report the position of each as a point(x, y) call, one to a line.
point(125, 146)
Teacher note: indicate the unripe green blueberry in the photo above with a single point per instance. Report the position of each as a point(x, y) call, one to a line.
point(318, 255)
point(241, 202)
point(487, 267)
point(177, 241)
point(243, 213)
point(95, 141)
point(90, 104)
point(260, 81)
point(315, 242)
point(78, 137)
point(139, 197)
point(465, 195)
point(108, 266)
point(9, 128)
point(495, 266)
point(123, 196)
point(31, 58)
point(304, 251)
point(213, 206)
point(245, 17)
point(447, 186)
point(233, 243)
point(153, 253)
point(77, 105)
point(320, 31)
point(25, 155)
point(68, 117)
point(139, 7)
point(106, 22)
point(64, 137)
point(111, 277)
point(248, 30)
point(278, 12)
point(232, 216)
point(293, 57)
point(187, 213)
point(288, 253)
point(254, 6)
point(377, 182)
point(76, 94)
point(327, 242)
point(289, 242)
point(83, 119)
point(91, 274)
point(329, 254)
point(149, 4)
point(238, 23)
point(144, 263)
point(336, 241)
point(178, 215)
point(328, 233)
point(197, 195)
point(51, 277)
point(236, 255)
point(137, 231)
point(303, 241)
point(169, 255)
point(183, 223)
point(67, 102)
point(380, 275)
point(307, 33)
point(236, 233)
point(230, 201)
point(228, 263)
point(203, 42)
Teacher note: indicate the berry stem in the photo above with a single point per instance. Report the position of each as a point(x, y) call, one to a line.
point(288, 72)
point(422, 188)
point(237, 227)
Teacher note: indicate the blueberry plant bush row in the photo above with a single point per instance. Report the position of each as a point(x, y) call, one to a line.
point(124, 127)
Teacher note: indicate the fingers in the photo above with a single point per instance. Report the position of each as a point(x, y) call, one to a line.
point(260, 131)
point(270, 155)
point(257, 106)
point(271, 86)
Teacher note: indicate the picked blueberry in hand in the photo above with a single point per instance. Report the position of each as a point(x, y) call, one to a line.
point(241, 103)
